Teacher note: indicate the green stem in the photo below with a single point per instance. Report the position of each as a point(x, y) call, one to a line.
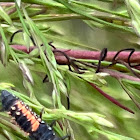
point(99, 9)
point(76, 9)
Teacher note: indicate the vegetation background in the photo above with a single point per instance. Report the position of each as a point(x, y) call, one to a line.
point(71, 24)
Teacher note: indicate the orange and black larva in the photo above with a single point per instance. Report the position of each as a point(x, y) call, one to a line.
point(26, 119)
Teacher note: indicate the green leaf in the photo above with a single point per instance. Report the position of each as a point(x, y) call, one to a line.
point(134, 11)
point(27, 40)
point(18, 2)
point(5, 47)
point(131, 83)
point(5, 16)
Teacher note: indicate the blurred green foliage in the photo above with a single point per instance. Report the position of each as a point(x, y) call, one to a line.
point(70, 24)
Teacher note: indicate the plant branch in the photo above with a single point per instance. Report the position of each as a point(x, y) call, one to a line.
point(84, 54)
point(100, 15)
point(111, 98)
point(80, 54)
point(119, 75)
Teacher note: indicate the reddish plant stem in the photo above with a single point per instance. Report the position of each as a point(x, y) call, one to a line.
point(62, 60)
point(111, 98)
point(84, 54)
point(23, 48)
point(119, 75)
point(7, 4)
point(80, 54)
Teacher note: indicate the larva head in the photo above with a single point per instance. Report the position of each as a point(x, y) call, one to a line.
point(7, 100)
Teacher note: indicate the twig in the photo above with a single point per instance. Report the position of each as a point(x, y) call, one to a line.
point(84, 54)
point(7, 4)
point(61, 59)
point(111, 98)
point(119, 75)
